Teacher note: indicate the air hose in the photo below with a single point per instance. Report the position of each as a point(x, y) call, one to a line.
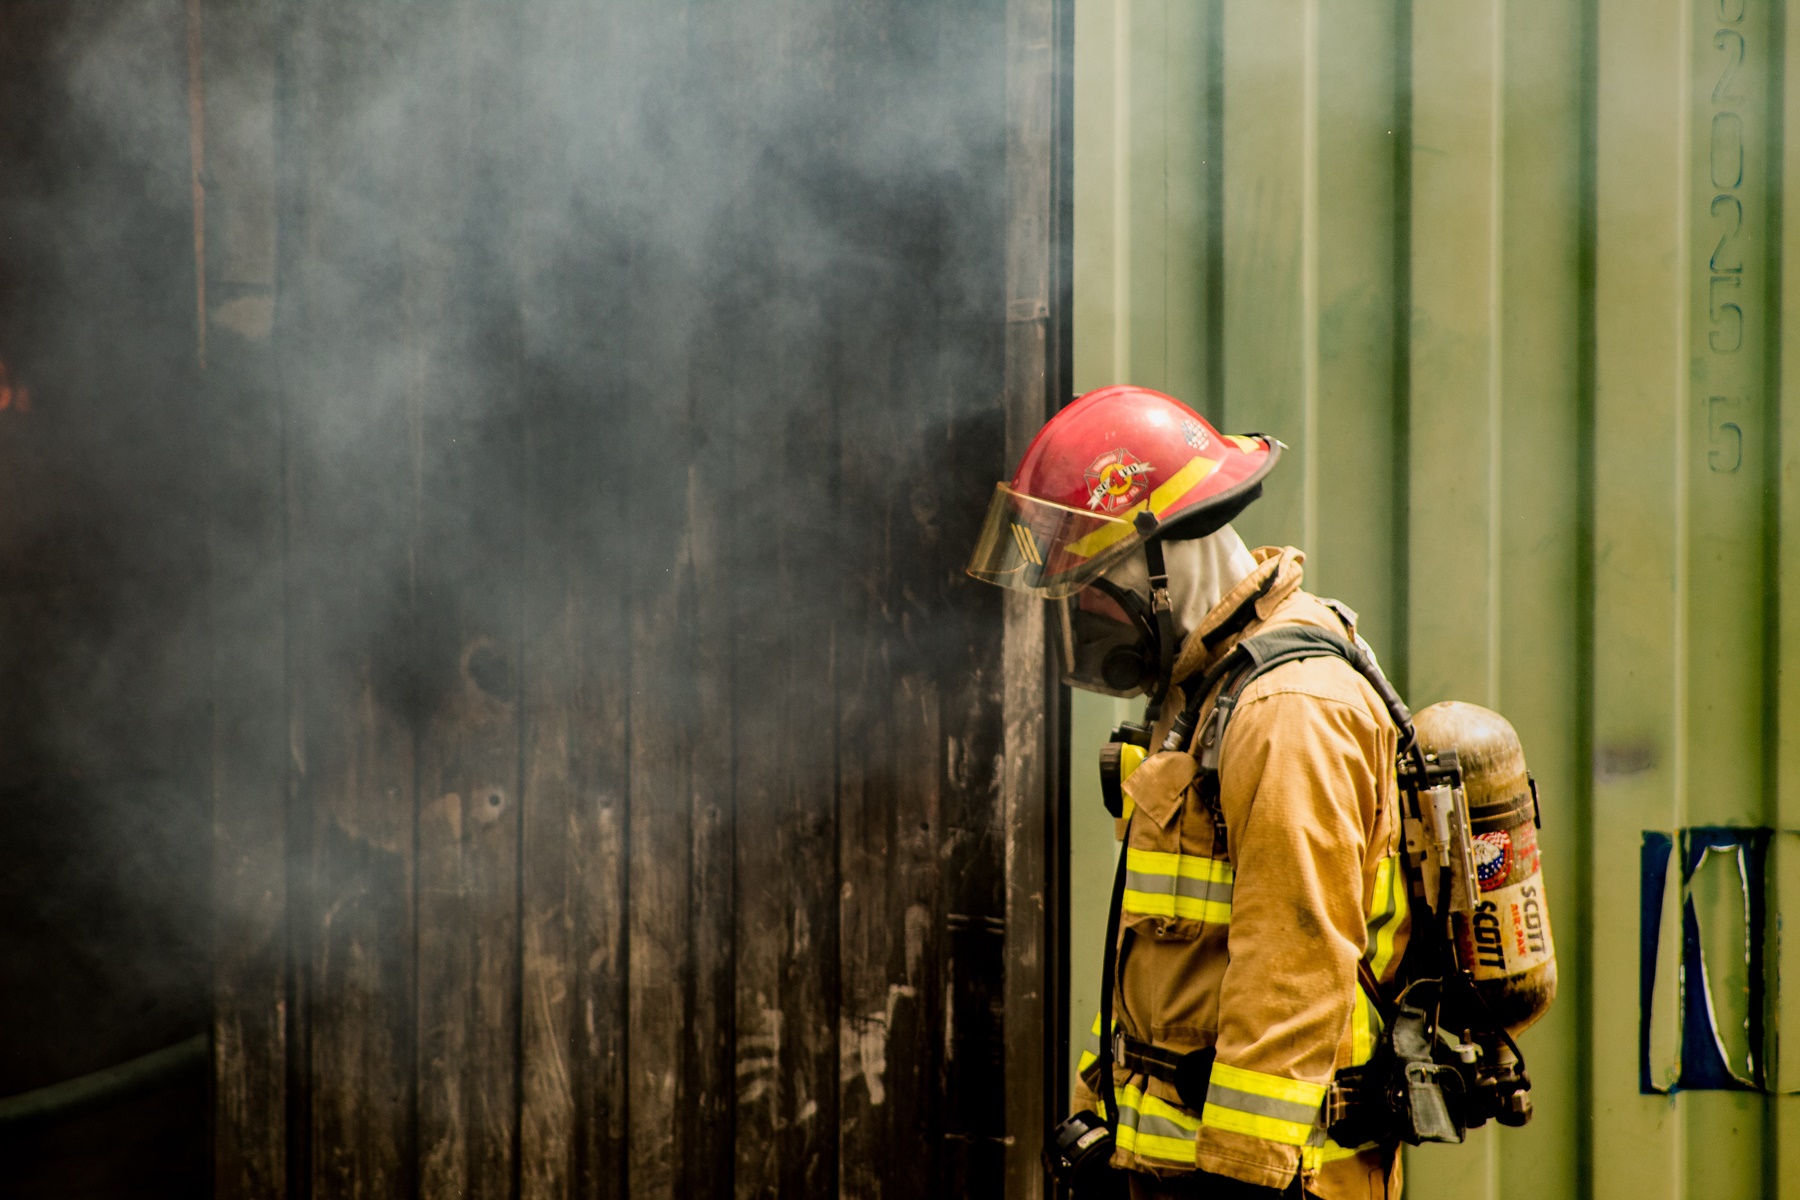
point(104, 1086)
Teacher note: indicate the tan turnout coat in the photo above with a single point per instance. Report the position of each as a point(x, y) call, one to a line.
point(1249, 943)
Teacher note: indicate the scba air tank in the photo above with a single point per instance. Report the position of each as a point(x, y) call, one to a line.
point(1505, 943)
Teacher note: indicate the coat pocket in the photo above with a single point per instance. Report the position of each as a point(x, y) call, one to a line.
point(1174, 888)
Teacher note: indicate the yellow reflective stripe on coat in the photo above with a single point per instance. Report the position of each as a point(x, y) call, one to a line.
point(1387, 912)
point(1314, 1157)
point(1160, 884)
point(1270, 1107)
point(1152, 1128)
point(1090, 1049)
point(1364, 1023)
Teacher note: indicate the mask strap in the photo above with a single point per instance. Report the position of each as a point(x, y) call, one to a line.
point(1162, 612)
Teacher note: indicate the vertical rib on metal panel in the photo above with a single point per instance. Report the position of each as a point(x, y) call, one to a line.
point(1458, 83)
point(1142, 244)
point(1400, 347)
point(1784, 1163)
point(1144, 89)
point(1725, 257)
point(1538, 515)
point(1456, 380)
point(1641, 400)
point(1351, 479)
point(1097, 261)
point(1030, 104)
point(1186, 196)
point(1271, 250)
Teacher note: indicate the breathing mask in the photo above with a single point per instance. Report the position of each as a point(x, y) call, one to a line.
point(1108, 634)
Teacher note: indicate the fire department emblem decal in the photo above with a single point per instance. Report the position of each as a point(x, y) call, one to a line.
point(1493, 859)
point(1115, 480)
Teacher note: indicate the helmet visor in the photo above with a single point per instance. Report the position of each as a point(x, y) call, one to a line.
point(1044, 548)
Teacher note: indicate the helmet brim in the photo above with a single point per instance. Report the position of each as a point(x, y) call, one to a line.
point(1215, 512)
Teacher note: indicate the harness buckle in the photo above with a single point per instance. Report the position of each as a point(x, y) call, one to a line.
point(1212, 734)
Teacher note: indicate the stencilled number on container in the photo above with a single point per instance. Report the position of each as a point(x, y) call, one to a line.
point(1732, 42)
point(1726, 258)
point(1724, 164)
point(1727, 314)
point(1725, 454)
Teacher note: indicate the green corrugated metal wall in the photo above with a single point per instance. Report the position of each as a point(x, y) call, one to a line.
point(1507, 277)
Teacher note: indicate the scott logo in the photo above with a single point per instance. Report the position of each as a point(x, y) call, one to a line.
point(1528, 920)
point(1490, 945)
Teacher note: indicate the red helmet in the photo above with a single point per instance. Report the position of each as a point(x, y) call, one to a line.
point(1074, 506)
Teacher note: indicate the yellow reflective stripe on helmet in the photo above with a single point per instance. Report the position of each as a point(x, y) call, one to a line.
point(1161, 884)
point(1270, 1107)
point(1152, 1128)
point(1387, 912)
point(1172, 489)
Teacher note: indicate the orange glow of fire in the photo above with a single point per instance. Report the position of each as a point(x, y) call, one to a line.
point(13, 397)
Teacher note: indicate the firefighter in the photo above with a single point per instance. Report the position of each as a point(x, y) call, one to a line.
point(1254, 913)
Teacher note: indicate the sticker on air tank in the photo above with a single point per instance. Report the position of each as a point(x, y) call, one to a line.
point(1510, 930)
point(1493, 859)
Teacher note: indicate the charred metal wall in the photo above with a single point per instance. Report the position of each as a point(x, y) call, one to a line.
point(502, 470)
point(618, 789)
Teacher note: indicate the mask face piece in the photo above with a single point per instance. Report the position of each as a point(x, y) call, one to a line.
point(1103, 648)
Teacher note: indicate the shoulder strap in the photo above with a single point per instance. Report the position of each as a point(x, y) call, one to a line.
point(1257, 656)
point(1106, 1089)
point(1262, 654)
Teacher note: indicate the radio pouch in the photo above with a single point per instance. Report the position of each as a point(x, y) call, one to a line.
point(1404, 1091)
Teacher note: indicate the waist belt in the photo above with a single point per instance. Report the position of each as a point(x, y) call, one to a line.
point(1188, 1073)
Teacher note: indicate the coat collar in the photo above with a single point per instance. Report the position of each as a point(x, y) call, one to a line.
point(1278, 574)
